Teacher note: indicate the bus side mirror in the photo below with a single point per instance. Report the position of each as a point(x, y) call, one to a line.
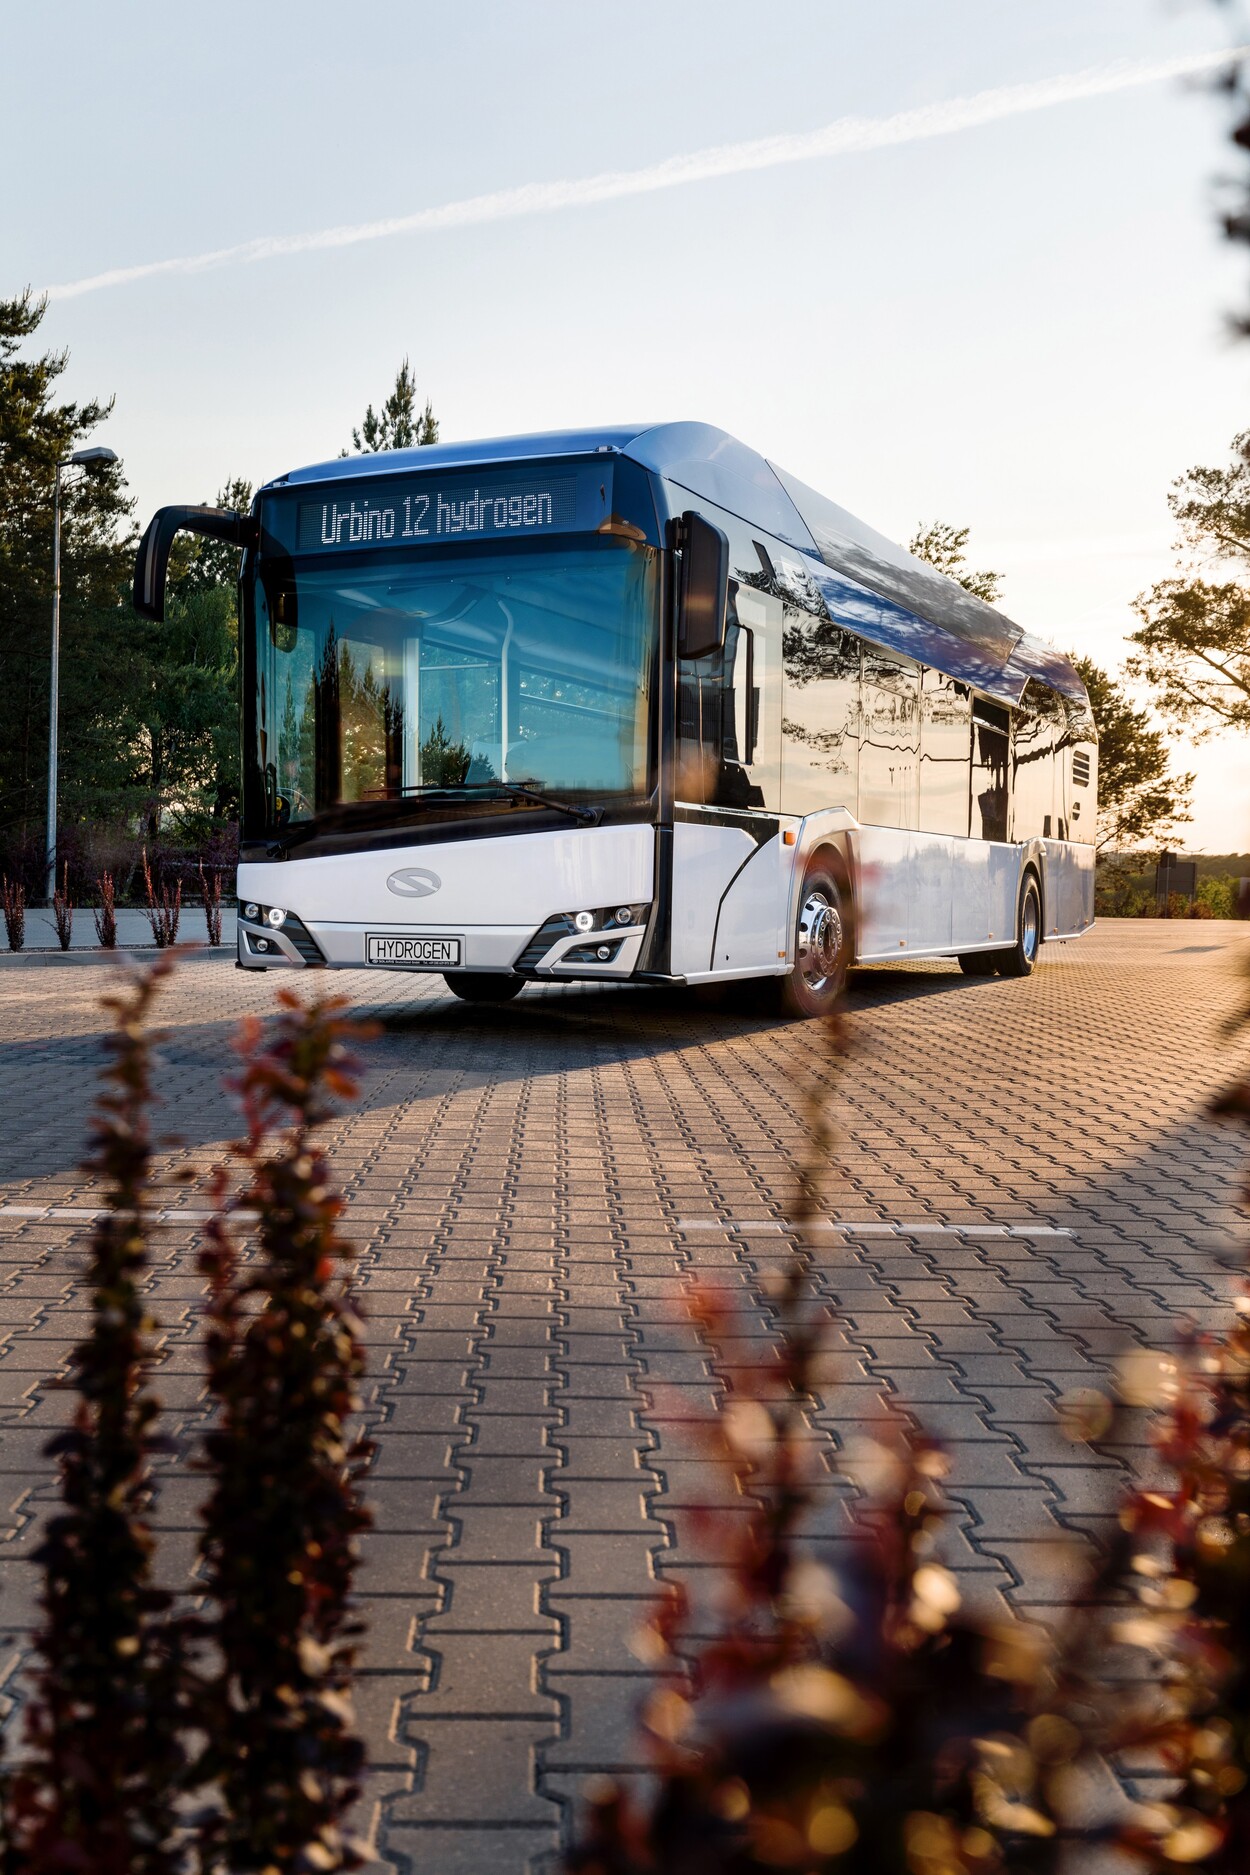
point(703, 593)
point(152, 559)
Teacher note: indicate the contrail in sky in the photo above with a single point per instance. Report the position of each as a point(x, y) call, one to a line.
point(844, 137)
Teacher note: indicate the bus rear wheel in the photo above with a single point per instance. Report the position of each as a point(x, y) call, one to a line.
point(484, 986)
point(821, 946)
point(978, 963)
point(1021, 959)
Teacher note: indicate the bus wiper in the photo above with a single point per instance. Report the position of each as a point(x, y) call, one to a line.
point(589, 815)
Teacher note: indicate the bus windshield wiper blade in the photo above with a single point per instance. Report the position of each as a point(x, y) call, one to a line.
point(513, 788)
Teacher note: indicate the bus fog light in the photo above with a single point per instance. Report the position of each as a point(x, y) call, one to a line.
point(262, 944)
point(251, 911)
point(603, 953)
point(275, 915)
point(584, 921)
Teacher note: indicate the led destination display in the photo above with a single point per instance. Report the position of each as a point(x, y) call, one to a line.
point(419, 510)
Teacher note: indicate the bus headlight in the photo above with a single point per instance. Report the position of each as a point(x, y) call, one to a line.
point(251, 911)
point(275, 916)
point(584, 921)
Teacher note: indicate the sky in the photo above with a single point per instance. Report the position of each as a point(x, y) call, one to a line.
point(965, 267)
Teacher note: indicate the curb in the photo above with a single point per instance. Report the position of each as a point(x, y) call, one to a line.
point(14, 960)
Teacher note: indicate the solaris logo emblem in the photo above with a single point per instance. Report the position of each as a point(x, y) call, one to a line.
point(413, 882)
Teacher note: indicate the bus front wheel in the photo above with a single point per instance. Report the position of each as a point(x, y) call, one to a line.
point(1020, 960)
point(821, 946)
point(484, 986)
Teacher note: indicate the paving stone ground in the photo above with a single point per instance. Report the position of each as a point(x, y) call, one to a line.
point(1024, 1186)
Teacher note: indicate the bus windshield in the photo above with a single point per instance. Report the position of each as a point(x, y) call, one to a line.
point(380, 681)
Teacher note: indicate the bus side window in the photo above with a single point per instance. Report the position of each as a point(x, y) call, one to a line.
point(820, 714)
point(945, 753)
point(889, 741)
point(990, 791)
point(1036, 763)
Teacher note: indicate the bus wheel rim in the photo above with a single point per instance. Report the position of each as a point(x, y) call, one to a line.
point(1030, 926)
point(820, 940)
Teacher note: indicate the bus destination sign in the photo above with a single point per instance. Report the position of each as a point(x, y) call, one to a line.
point(418, 510)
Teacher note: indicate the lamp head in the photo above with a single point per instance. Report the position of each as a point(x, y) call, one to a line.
point(97, 457)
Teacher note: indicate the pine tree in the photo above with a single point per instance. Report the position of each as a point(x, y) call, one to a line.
point(148, 714)
point(37, 432)
point(399, 426)
point(1140, 800)
point(943, 547)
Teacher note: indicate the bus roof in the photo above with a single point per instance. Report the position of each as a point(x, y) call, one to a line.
point(883, 592)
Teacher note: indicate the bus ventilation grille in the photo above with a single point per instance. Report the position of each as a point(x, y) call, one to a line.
point(303, 941)
point(547, 934)
point(1080, 768)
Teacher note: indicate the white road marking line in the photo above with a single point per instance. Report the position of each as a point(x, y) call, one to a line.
point(852, 1227)
point(855, 1228)
point(86, 1214)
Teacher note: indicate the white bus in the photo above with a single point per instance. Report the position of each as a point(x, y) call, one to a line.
point(632, 705)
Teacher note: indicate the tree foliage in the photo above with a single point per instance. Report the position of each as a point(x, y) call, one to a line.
point(1140, 800)
point(148, 713)
point(36, 432)
point(1194, 641)
point(945, 547)
point(399, 425)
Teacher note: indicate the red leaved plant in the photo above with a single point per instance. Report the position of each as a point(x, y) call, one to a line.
point(163, 912)
point(279, 1547)
point(97, 1786)
point(63, 912)
point(859, 1722)
point(105, 913)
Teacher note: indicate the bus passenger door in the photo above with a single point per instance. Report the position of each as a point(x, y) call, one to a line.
point(728, 772)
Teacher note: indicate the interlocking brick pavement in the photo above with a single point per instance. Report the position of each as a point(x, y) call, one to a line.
point(1024, 1185)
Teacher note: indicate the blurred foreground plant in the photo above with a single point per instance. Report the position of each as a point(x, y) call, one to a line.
point(97, 1787)
point(859, 1722)
point(281, 1524)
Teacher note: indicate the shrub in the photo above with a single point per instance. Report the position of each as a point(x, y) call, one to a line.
point(211, 898)
point(13, 897)
point(63, 912)
point(105, 913)
point(285, 1510)
point(163, 914)
point(1219, 895)
point(97, 1786)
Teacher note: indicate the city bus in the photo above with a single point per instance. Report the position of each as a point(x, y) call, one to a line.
point(632, 705)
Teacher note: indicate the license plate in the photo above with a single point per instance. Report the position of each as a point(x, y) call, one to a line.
point(419, 953)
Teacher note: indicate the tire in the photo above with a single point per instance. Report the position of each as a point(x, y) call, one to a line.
point(1021, 959)
point(978, 963)
point(821, 948)
point(484, 986)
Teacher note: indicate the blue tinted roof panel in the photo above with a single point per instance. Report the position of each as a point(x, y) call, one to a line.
point(875, 586)
point(541, 446)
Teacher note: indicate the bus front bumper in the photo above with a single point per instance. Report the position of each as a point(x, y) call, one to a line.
point(555, 951)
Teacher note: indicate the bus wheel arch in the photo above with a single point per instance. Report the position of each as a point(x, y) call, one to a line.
point(834, 859)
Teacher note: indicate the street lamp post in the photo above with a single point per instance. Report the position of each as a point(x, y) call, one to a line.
point(90, 459)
